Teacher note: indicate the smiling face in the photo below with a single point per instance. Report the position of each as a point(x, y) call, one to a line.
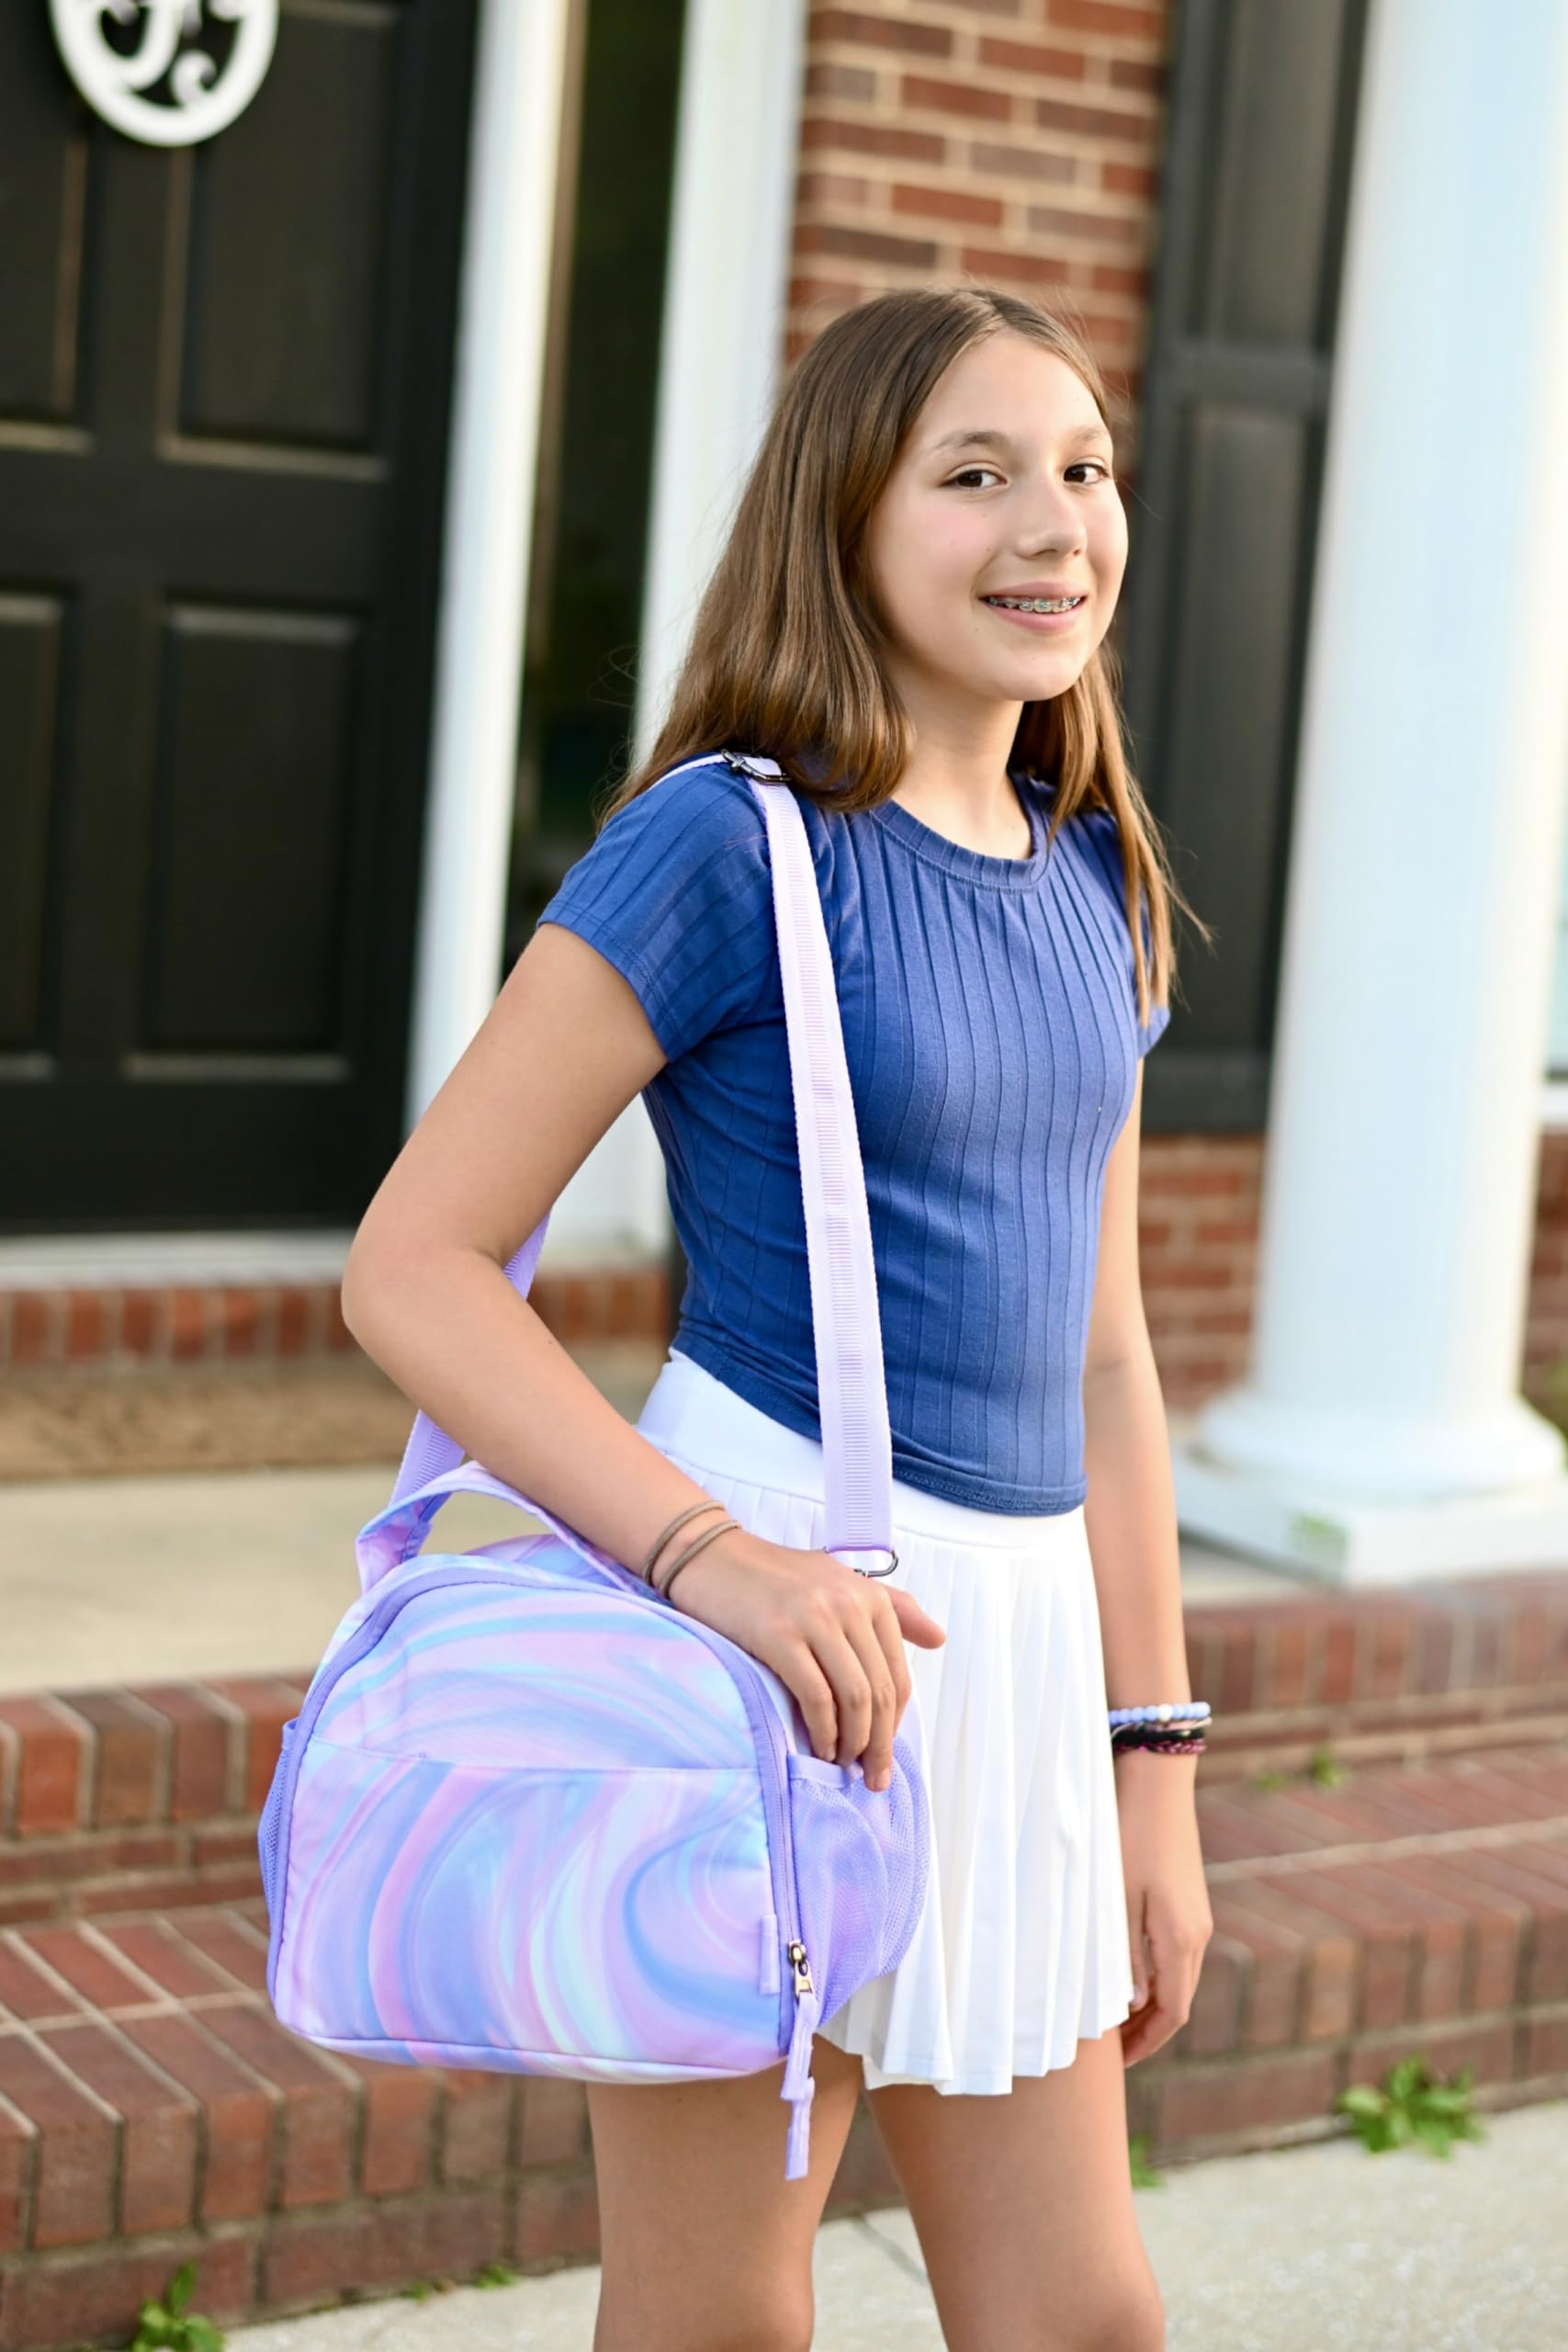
point(1003, 487)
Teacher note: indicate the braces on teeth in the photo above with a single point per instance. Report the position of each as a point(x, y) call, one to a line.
point(1037, 603)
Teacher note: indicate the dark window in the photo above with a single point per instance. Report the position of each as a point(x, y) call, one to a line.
point(596, 446)
point(1224, 521)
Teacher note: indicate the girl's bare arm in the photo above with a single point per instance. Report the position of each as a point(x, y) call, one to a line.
point(1129, 1513)
point(563, 1051)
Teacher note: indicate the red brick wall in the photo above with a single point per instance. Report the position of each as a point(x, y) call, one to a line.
point(1020, 142)
point(1546, 1331)
point(1198, 1203)
point(1198, 1228)
point(178, 1324)
point(1198, 1197)
point(1014, 141)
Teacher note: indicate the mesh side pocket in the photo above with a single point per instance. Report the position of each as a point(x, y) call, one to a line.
point(862, 1861)
point(269, 1826)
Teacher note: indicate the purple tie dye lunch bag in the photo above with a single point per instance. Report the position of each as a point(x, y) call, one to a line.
point(532, 1818)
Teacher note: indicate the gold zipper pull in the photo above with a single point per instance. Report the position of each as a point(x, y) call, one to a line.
point(801, 1968)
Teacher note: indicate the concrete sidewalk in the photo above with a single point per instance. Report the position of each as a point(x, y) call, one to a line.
point(1315, 2249)
point(182, 1574)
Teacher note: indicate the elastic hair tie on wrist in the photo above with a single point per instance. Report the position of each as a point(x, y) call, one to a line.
point(693, 1511)
point(721, 1526)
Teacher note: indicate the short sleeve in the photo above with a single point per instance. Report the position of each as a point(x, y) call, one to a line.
point(1151, 1032)
point(1099, 826)
point(676, 892)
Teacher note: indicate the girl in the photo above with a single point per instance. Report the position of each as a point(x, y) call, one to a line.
point(939, 467)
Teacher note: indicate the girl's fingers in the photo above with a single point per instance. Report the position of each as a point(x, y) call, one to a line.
point(913, 1623)
point(813, 1693)
point(850, 1685)
point(1171, 1974)
point(1137, 1952)
point(885, 1626)
point(876, 1754)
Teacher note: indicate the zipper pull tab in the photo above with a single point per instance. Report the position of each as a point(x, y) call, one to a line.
point(798, 2087)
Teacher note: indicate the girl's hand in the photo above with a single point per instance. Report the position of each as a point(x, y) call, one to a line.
point(835, 1639)
point(1168, 1918)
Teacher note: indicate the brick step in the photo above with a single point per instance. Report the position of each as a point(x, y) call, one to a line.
point(1418, 1906)
point(1381, 1676)
point(130, 1324)
point(150, 2107)
point(153, 2111)
point(146, 1796)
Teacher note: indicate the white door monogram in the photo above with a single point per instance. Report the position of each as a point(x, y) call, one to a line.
point(196, 95)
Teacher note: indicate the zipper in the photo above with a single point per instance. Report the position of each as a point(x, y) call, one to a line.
point(798, 2088)
point(767, 1730)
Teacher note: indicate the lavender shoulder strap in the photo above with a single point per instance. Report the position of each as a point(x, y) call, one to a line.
point(851, 1380)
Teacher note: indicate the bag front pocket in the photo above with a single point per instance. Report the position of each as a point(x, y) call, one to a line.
point(575, 1915)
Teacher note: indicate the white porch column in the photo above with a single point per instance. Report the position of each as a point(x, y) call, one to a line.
point(720, 351)
point(512, 158)
point(1379, 1433)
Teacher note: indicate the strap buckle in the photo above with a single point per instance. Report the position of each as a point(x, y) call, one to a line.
point(765, 770)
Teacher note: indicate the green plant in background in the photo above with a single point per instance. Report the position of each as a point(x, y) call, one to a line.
point(166, 2327)
point(1144, 2174)
point(494, 2274)
point(1322, 1766)
point(1410, 2104)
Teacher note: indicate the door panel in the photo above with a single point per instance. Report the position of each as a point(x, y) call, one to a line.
point(285, 299)
point(224, 400)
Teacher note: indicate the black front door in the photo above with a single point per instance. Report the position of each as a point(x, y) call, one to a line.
point(225, 374)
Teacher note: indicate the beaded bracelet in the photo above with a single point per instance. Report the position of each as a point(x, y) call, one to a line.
point(1173, 1711)
point(1170, 1741)
point(1175, 1727)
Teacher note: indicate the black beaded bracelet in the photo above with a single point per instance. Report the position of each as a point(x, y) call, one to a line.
point(1163, 1741)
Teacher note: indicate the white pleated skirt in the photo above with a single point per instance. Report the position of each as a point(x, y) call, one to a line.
point(1022, 1950)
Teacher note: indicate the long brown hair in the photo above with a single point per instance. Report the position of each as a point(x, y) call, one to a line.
point(784, 653)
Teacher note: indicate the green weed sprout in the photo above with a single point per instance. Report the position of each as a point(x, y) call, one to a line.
point(166, 2327)
point(1411, 2105)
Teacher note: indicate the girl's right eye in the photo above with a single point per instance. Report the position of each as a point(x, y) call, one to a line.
point(968, 472)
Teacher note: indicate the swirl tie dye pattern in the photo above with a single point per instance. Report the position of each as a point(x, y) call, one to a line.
point(527, 1820)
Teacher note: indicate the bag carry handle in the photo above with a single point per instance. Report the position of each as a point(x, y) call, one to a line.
point(851, 1386)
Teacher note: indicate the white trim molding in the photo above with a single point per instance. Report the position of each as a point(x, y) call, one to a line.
point(724, 306)
point(519, 73)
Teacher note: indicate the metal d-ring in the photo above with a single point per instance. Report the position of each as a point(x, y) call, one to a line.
point(887, 1571)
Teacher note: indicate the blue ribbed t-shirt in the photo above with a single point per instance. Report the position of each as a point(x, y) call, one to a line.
point(990, 1029)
